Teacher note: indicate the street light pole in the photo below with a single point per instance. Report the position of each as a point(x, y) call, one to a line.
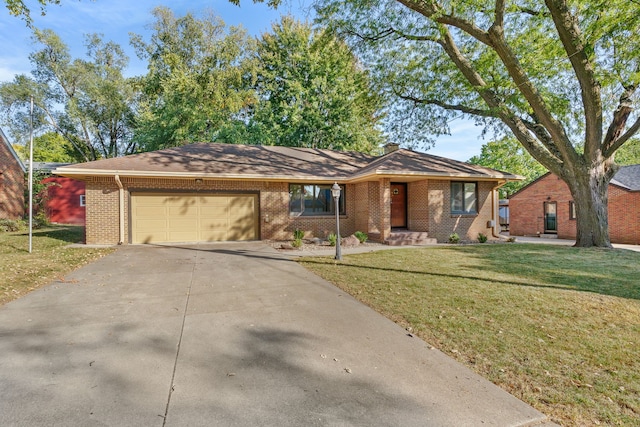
point(335, 192)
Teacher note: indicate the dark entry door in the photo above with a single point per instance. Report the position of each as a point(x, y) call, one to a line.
point(398, 205)
point(550, 217)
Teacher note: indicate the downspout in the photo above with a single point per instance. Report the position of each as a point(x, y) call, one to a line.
point(495, 215)
point(121, 213)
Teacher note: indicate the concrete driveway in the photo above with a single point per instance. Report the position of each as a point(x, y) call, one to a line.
point(229, 335)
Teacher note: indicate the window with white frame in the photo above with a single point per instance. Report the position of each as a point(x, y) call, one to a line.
point(82, 200)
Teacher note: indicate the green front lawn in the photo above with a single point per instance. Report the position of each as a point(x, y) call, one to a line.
point(22, 272)
point(557, 327)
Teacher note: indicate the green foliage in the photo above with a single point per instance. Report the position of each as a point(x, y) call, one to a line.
point(362, 236)
point(19, 8)
point(507, 155)
point(332, 238)
point(298, 234)
point(297, 243)
point(87, 102)
point(11, 225)
point(50, 147)
point(198, 80)
point(482, 238)
point(629, 153)
point(312, 93)
point(454, 238)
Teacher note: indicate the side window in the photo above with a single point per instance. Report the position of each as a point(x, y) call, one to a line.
point(82, 200)
point(464, 197)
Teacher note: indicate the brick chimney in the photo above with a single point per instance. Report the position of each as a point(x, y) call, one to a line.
point(391, 147)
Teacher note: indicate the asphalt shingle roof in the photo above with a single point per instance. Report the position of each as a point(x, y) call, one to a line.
point(628, 177)
point(275, 162)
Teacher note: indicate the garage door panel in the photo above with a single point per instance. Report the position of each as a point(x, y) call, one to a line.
point(192, 218)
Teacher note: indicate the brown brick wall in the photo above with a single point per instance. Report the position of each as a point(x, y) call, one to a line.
point(12, 203)
point(442, 222)
point(526, 211)
point(418, 205)
point(275, 222)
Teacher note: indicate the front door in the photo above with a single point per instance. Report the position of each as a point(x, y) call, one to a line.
point(550, 217)
point(398, 205)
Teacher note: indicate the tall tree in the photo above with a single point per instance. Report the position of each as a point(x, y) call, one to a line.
point(196, 80)
point(506, 154)
point(88, 102)
point(312, 92)
point(557, 74)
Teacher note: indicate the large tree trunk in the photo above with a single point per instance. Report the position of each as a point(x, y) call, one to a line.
point(589, 188)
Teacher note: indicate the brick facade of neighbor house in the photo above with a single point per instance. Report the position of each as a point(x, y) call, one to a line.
point(12, 186)
point(527, 210)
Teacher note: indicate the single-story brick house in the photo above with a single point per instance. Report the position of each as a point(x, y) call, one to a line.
point(12, 172)
point(65, 196)
point(223, 192)
point(545, 207)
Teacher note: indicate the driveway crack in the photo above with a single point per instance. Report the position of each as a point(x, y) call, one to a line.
point(175, 362)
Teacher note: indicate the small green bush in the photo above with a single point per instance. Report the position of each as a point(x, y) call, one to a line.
point(298, 234)
point(454, 238)
point(296, 243)
point(482, 238)
point(11, 225)
point(332, 238)
point(362, 237)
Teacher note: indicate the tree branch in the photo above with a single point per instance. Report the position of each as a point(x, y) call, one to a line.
point(571, 37)
point(613, 139)
point(454, 107)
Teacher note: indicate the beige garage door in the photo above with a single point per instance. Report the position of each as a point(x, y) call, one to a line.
point(182, 217)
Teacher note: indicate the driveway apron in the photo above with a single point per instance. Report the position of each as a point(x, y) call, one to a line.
point(225, 335)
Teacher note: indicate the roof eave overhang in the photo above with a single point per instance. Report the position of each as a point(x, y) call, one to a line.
point(415, 176)
point(84, 174)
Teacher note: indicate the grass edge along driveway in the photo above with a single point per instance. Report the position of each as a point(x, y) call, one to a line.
point(557, 327)
point(51, 258)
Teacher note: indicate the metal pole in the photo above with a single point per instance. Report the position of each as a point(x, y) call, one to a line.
point(338, 249)
point(31, 179)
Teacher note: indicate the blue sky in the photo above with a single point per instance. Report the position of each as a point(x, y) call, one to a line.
point(115, 19)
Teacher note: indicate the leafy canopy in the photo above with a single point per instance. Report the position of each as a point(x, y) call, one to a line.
point(312, 92)
point(506, 154)
point(196, 80)
point(87, 101)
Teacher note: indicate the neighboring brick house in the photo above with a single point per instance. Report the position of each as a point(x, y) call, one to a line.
point(545, 207)
point(11, 181)
point(65, 196)
point(212, 192)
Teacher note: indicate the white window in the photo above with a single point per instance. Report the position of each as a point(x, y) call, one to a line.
point(82, 202)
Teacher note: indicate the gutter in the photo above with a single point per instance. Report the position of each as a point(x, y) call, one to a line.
point(121, 212)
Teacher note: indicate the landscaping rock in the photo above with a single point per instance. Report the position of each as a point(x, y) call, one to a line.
point(350, 241)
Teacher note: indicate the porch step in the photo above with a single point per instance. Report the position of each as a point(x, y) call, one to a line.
point(409, 238)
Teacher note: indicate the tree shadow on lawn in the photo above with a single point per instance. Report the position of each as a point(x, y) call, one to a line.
point(606, 272)
point(65, 233)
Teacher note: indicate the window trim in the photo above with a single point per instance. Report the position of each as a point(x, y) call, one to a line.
point(83, 200)
point(572, 210)
point(317, 187)
point(464, 210)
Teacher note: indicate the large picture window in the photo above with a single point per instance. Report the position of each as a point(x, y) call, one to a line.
point(464, 197)
point(310, 200)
